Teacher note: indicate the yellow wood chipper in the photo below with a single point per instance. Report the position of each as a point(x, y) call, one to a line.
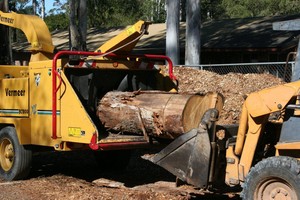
point(55, 101)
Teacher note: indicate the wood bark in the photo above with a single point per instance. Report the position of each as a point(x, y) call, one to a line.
point(172, 35)
point(78, 24)
point(5, 40)
point(193, 43)
point(164, 115)
point(34, 5)
point(43, 9)
point(82, 23)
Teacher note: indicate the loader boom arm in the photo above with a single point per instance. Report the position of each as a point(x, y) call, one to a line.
point(256, 111)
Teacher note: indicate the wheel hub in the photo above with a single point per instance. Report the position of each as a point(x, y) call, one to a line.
point(275, 189)
point(6, 154)
point(9, 152)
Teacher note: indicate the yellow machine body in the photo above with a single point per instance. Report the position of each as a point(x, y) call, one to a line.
point(126, 40)
point(26, 91)
point(256, 112)
point(26, 103)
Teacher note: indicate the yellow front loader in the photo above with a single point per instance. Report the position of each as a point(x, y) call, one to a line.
point(258, 158)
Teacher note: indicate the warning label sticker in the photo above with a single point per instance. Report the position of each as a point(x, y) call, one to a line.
point(74, 132)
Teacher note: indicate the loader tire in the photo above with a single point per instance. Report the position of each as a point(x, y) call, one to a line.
point(114, 160)
point(15, 160)
point(273, 178)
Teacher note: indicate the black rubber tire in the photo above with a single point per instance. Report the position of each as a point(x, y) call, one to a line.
point(274, 177)
point(114, 160)
point(18, 165)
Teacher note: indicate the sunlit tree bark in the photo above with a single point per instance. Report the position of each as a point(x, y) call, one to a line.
point(78, 24)
point(172, 35)
point(193, 21)
point(5, 41)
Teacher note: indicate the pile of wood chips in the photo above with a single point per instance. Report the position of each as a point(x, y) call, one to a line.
point(233, 86)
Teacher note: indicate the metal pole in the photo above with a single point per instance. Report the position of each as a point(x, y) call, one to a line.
point(296, 71)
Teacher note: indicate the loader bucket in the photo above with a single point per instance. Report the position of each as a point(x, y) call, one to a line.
point(188, 157)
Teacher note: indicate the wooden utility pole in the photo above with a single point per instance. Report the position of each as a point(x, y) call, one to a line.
point(192, 38)
point(172, 36)
point(291, 25)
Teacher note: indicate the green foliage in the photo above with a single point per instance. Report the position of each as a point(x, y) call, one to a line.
point(211, 9)
point(59, 6)
point(57, 21)
point(21, 6)
point(153, 10)
point(251, 8)
point(108, 13)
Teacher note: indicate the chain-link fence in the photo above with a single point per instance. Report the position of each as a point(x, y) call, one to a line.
point(281, 70)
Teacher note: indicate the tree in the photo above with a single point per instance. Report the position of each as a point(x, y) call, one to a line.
point(78, 24)
point(192, 38)
point(57, 21)
point(153, 10)
point(43, 9)
point(172, 35)
point(250, 8)
point(59, 7)
point(211, 9)
point(34, 7)
point(5, 41)
point(109, 13)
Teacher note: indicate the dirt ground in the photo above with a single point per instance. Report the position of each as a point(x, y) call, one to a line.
point(76, 175)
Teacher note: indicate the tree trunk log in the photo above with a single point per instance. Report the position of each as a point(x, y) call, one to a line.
point(158, 114)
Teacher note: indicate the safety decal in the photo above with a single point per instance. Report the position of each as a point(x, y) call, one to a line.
point(37, 78)
point(33, 108)
point(75, 132)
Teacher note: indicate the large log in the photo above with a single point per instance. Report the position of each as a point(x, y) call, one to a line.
point(159, 114)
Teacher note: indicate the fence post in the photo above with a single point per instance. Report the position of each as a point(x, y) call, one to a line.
point(296, 71)
point(291, 25)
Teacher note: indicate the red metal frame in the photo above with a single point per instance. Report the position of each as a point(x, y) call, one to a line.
point(55, 74)
point(115, 145)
